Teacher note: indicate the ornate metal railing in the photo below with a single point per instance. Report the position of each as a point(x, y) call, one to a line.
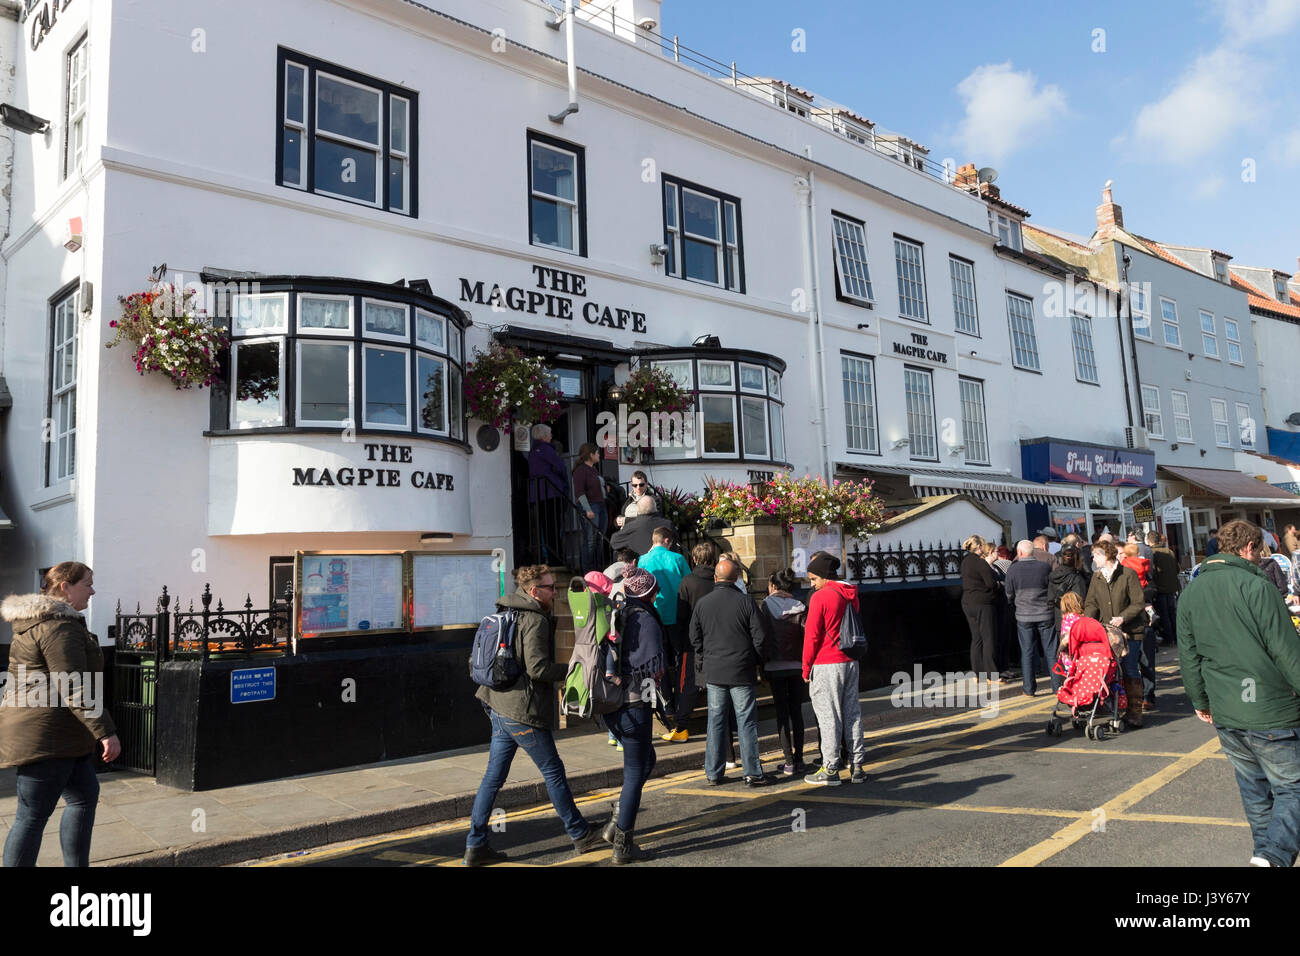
point(897, 565)
point(200, 633)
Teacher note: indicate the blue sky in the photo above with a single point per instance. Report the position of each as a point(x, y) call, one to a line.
point(1181, 97)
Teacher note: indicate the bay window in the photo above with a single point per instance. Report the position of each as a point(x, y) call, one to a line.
point(737, 412)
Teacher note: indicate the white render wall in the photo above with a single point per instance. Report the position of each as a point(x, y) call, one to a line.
point(1279, 385)
point(193, 185)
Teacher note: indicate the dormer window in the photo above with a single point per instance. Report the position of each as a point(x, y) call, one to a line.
point(1221, 270)
point(1279, 284)
point(1006, 229)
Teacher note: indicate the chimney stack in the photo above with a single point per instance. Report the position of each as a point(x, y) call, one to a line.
point(1110, 216)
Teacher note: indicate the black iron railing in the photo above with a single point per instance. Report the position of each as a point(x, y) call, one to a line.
point(904, 564)
point(557, 526)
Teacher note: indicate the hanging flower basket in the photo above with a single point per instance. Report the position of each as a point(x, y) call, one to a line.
point(653, 390)
point(169, 336)
point(502, 382)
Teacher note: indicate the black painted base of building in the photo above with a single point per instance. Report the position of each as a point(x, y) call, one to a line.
point(332, 708)
point(912, 625)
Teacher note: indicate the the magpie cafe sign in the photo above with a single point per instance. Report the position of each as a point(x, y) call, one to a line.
point(43, 17)
point(555, 294)
point(375, 475)
point(918, 346)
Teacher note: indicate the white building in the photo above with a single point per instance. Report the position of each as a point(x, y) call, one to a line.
point(363, 175)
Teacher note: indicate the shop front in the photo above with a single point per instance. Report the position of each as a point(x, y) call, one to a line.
point(1215, 496)
point(1113, 487)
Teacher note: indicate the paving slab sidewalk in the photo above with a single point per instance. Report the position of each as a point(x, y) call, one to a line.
point(139, 823)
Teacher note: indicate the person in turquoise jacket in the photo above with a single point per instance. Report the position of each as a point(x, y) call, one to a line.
point(1240, 659)
point(669, 568)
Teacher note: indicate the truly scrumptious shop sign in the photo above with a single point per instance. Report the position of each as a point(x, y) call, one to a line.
point(1087, 465)
point(555, 294)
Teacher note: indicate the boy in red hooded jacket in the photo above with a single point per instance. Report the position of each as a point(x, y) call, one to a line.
point(833, 676)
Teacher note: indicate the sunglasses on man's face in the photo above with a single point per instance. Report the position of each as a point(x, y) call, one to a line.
point(638, 484)
point(548, 587)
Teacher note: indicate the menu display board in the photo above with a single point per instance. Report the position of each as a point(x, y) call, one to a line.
point(453, 589)
point(343, 593)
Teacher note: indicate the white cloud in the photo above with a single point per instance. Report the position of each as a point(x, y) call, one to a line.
point(1004, 111)
point(1212, 100)
point(1208, 188)
point(1256, 21)
point(1291, 147)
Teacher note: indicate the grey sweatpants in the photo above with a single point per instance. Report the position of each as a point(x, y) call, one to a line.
point(839, 712)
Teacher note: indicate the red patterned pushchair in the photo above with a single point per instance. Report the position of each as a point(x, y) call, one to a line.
point(1092, 691)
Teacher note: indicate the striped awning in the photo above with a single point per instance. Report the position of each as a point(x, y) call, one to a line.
point(981, 485)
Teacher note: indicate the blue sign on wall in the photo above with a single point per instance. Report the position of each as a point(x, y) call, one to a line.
point(256, 683)
point(1087, 464)
point(1291, 486)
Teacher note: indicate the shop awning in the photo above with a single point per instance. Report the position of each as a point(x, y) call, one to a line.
point(1237, 487)
point(982, 485)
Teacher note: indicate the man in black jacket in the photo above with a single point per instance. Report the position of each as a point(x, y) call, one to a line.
point(727, 636)
point(636, 532)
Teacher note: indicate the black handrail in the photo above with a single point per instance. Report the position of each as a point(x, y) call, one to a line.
point(549, 507)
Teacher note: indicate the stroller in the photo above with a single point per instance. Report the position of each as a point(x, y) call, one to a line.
point(1092, 691)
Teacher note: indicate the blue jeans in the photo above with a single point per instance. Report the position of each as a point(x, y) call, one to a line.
point(507, 737)
point(39, 787)
point(1267, 763)
point(632, 728)
point(721, 701)
point(590, 541)
point(1040, 636)
point(1132, 663)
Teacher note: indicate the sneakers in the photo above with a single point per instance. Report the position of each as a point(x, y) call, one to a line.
point(479, 855)
point(787, 770)
point(618, 746)
point(800, 767)
point(823, 778)
point(717, 781)
point(731, 765)
point(612, 741)
point(676, 736)
point(859, 776)
point(1259, 861)
point(762, 780)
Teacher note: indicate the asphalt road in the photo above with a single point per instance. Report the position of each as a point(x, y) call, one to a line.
point(975, 788)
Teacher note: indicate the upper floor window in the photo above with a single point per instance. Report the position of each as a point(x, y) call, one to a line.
point(1085, 358)
point(61, 398)
point(74, 112)
point(1245, 426)
point(1209, 336)
point(1169, 314)
point(1182, 415)
point(859, 403)
point(1151, 412)
point(1140, 307)
point(1024, 340)
point(1222, 433)
point(910, 266)
point(1006, 229)
point(1232, 332)
point(557, 193)
point(346, 135)
point(918, 387)
point(852, 277)
point(702, 232)
point(974, 428)
point(324, 356)
point(963, 296)
point(1279, 285)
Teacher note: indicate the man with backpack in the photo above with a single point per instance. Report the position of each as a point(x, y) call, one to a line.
point(831, 674)
point(727, 637)
point(522, 711)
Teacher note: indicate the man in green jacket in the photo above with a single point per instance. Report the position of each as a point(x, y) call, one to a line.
point(1240, 658)
point(524, 715)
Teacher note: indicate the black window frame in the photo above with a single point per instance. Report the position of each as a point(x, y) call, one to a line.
point(580, 189)
point(358, 292)
point(680, 255)
point(313, 65)
point(840, 295)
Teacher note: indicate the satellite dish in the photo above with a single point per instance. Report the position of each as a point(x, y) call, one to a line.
point(1293, 419)
point(987, 175)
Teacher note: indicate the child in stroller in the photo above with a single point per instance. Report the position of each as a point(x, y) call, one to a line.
point(1089, 662)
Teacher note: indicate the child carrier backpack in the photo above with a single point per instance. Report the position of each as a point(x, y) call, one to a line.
point(493, 661)
point(587, 691)
point(853, 639)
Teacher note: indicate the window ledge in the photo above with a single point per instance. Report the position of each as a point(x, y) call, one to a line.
point(278, 430)
point(55, 495)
